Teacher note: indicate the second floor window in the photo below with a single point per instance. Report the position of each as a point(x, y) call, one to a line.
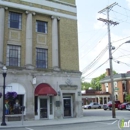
point(14, 20)
point(41, 27)
point(41, 58)
point(13, 55)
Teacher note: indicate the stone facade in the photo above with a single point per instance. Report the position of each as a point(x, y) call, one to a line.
point(62, 73)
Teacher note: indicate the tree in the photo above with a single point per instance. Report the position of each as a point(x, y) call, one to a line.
point(95, 82)
point(85, 85)
point(127, 98)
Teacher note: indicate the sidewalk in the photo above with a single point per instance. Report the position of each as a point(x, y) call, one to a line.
point(16, 124)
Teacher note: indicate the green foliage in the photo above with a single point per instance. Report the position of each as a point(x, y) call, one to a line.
point(85, 85)
point(127, 98)
point(95, 82)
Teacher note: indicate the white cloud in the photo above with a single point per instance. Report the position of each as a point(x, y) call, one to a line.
point(128, 2)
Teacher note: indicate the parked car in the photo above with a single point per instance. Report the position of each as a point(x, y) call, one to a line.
point(122, 106)
point(128, 106)
point(92, 105)
point(109, 105)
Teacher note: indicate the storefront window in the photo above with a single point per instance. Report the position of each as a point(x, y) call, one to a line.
point(13, 103)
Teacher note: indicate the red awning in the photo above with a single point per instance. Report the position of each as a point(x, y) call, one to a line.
point(45, 89)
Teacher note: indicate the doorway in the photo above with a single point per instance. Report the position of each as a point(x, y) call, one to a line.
point(67, 107)
point(43, 108)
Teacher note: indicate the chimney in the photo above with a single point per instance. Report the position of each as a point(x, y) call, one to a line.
point(108, 72)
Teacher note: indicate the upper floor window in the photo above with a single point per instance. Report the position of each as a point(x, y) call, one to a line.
point(41, 27)
point(41, 58)
point(124, 86)
point(14, 20)
point(13, 55)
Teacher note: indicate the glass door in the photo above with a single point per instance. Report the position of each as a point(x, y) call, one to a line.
point(67, 107)
point(43, 108)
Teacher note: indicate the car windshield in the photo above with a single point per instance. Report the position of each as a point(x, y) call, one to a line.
point(91, 103)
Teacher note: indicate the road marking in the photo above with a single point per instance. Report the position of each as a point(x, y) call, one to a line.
point(29, 128)
point(114, 122)
point(107, 123)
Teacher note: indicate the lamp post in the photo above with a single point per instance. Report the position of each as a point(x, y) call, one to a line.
point(3, 117)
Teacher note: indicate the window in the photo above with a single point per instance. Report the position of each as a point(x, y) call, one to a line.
point(41, 58)
point(14, 20)
point(41, 26)
point(13, 55)
point(124, 87)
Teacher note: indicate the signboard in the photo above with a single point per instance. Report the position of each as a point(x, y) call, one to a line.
point(116, 89)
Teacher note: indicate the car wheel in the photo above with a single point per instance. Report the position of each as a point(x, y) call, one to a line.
point(89, 107)
point(99, 107)
point(105, 109)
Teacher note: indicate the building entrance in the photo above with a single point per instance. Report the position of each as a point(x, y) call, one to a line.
point(67, 107)
point(43, 108)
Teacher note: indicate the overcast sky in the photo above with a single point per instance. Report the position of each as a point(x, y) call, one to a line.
point(93, 36)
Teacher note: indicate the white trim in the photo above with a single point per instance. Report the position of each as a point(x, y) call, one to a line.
point(54, 5)
point(37, 10)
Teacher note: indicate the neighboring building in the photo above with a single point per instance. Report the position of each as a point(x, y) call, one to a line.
point(100, 97)
point(39, 46)
point(121, 85)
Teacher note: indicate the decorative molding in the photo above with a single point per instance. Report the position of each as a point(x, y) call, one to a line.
point(14, 35)
point(44, 11)
point(14, 43)
point(67, 87)
point(41, 39)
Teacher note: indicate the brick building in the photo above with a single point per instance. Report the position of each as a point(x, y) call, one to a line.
point(121, 85)
point(39, 46)
point(100, 97)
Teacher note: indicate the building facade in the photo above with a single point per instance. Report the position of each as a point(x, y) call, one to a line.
point(100, 97)
point(121, 85)
point(39, 46)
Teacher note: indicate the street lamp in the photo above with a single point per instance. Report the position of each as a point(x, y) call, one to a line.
point(3, 117)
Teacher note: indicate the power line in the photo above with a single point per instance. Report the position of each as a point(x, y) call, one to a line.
point(93, 47)
point(96, 68)
point(121, 14)
point(95, 60)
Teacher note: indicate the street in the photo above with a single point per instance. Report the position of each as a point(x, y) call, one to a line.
point(101, 112)
point(110, 125)
point(92, 113)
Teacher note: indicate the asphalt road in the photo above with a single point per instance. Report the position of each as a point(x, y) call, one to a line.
point(101, 112)
point(109, 125)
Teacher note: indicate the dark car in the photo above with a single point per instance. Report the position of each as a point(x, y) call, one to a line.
point(122, 106)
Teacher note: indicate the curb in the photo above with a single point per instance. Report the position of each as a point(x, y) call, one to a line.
point(68, 123)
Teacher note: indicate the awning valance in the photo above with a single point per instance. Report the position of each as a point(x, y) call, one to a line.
point(45, 89)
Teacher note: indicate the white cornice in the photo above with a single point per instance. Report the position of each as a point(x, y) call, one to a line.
point(37, 10)
point(53, 4)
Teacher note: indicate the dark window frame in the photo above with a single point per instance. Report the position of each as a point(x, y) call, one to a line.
point(41, 58)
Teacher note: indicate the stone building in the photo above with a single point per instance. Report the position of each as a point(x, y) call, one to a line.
point(121, 85)
point(39, 46)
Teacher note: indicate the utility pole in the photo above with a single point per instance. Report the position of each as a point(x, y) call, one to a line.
point(108, 8)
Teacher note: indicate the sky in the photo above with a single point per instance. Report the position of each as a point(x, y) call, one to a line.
point(93, 37)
